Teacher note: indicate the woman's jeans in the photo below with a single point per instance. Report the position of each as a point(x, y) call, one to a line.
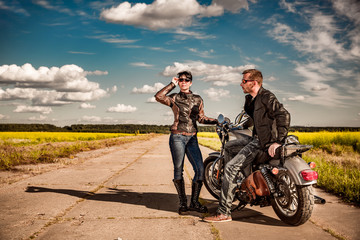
point(232, 172)
point(181, 145)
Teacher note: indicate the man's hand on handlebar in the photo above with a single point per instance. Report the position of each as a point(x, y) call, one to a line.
point(272, 149)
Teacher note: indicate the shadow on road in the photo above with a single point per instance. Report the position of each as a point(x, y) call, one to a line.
point(155, 200)
point(248, 215)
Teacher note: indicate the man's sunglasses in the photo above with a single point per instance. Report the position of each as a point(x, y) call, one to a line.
point(244, 81)
point(184, 79)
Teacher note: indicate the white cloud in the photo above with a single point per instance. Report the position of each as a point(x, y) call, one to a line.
point(82, 53)
point(141, 64)
point(39, 119)
point(90, 119)
point(32, 109)
point(271, 79)
point(66, 78)
point(219, 75)
point(87, 106)
point(13, 6)
point(320, 40)
point(113, 89)
point(297, 98)
point(233, 6)
point(50, 86)
point(166, 14)
point(169, 114)
point(161, 49)
point(113, 38)
point(290, 7)
point(2, 117)
point(50, 6)
point(185, 34)
point(216, 94)
point(160, 14)
point(322, 87)
point(204, 54)
point(117, 40)
point(97, 72)
point(122, 108)
point(96, 119)
point(322, 44)
point(151, 100)
point(148, 89)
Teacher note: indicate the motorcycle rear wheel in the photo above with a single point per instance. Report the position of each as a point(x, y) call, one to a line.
point(294, 204)
point(212, 179)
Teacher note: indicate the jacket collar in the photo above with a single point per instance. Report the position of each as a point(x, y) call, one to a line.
point(186, 95)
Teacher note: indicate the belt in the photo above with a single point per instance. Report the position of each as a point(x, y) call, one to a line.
point(184, 133)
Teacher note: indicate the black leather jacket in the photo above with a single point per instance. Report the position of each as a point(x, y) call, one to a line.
point(187, 108)
point(271, 119)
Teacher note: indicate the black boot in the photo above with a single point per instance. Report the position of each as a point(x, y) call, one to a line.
point(195, 192)
point(180, 187)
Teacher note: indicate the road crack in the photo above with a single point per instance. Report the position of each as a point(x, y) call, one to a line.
point(60, 217)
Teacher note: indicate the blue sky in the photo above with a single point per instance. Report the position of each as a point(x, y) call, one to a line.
point(81, 62)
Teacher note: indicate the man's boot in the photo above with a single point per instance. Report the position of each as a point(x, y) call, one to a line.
point(180, 187)
point(195, 192)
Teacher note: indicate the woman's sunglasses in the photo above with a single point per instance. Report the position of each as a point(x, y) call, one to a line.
point(184, 79)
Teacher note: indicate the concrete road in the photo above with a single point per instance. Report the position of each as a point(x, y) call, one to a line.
point(128, 193)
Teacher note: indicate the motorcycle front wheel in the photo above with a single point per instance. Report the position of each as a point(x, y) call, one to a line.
point(213, 176)
point(293, 204)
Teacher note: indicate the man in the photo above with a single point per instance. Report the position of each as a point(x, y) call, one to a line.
point(271, 124)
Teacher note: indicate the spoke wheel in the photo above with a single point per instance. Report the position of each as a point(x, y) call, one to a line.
point(213, 176)
point(293, 204)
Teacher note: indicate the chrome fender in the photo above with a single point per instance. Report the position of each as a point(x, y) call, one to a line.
point(216, 154)
point(295, 165)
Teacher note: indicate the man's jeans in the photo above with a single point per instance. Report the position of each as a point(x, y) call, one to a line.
point(232, 171)
point(181, 145)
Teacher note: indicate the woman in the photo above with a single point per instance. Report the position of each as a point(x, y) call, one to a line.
point(188, 108)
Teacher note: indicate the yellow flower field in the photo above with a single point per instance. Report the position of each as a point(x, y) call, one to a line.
point(23, 138)
point(18, 148)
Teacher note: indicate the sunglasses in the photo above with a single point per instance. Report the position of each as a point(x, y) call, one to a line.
point(244, 81)
point(184, 79)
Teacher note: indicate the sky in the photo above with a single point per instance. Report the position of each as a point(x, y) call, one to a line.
point(101, 62)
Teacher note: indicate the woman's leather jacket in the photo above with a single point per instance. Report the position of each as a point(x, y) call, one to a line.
point(271, 119)
point(187, 108)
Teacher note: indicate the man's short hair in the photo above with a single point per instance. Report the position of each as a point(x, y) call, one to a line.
point(186, 73)
point(254, 75)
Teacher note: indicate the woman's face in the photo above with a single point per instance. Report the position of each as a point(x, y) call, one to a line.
point(184, 85)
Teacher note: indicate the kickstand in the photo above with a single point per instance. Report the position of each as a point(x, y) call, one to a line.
point(239, 207)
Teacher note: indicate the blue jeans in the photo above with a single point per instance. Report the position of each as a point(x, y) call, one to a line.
point(232, 172)
point(181, 145)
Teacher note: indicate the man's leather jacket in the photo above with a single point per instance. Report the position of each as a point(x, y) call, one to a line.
point(187, 107)
point(271, 119)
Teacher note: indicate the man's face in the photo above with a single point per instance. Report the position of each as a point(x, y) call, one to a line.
point(247, 86)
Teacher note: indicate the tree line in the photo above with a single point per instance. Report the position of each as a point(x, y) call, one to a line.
point(136, 128)
point(108, 128)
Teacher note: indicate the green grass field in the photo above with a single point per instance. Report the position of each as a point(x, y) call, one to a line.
point(336, 154)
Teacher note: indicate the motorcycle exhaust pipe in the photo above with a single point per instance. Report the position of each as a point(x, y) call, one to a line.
point(319, 200)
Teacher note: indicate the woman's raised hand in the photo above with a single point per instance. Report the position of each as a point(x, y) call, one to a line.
point(175, 80)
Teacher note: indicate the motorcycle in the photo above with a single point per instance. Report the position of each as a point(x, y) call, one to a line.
point(284, 182)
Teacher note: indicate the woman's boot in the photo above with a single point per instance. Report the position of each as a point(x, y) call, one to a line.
point(195, 192)
point(180, 187)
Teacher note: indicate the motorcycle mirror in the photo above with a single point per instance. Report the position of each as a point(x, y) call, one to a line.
point(244, 120)
point(239, 117)
point(221, 118)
